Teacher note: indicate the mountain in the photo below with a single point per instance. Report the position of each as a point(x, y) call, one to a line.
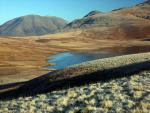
point(93, 13)
point(98, 20)
point(116, 17)
point(93, 18)
point(141, 10)
point(147, 2)
point(32, 25)
point(124, 23)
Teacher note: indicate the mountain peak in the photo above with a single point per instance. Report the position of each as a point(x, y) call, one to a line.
point(35, 15)
point(146, 2)
point(93, 13)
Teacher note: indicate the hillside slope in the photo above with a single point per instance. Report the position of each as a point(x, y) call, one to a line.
point(31, 25)
point(123, 23)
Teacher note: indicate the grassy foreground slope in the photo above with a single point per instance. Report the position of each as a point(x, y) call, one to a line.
point(128, 94)
point(125, 94)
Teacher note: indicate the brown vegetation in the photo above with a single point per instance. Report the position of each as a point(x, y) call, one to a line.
point(24, 58)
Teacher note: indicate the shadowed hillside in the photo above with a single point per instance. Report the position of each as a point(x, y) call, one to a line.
point(87, 72)
point(122, 95)
point(31, 25)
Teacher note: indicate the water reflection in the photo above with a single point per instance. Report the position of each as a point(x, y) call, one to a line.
point(63, 60)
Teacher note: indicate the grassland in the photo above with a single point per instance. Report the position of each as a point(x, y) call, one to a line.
point(23, 58)
point(128, 94)
point(118, 84)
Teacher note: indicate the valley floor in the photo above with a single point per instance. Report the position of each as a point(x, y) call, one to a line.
point(128, 94)
point(23, 58)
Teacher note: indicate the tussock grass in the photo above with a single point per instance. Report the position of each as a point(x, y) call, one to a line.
point(117, 95)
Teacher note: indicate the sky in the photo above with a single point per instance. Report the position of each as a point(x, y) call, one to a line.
point(67, 9)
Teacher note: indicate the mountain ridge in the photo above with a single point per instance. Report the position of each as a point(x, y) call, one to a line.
point(124, 23)
point(92, 13)
point(31, 25)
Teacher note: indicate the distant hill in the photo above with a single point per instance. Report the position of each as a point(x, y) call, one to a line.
point(32, 25)
point(93, 18)
point(116, 17)
point(123, 23)
point(91, 21)
point(147, 2)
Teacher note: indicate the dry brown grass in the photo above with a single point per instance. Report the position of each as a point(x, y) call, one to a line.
point(23, 58)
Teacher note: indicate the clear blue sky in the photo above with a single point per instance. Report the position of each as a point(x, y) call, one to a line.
point(67, 9)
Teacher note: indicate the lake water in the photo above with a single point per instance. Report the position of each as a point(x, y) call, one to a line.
point(63, 60)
